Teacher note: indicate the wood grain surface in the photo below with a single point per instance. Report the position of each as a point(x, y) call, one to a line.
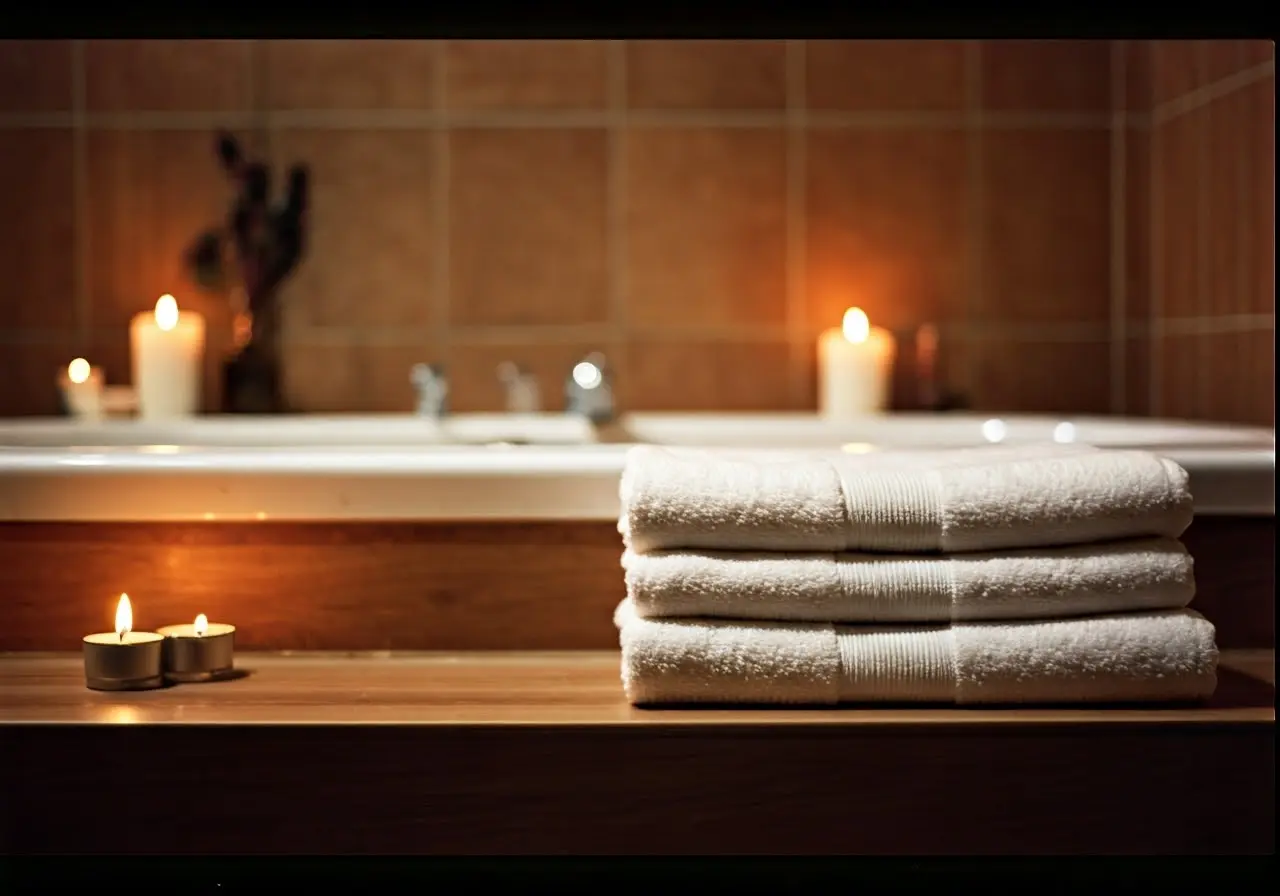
point(500, 688)
point(425, 586)
point(539, 754)
point(318, 586)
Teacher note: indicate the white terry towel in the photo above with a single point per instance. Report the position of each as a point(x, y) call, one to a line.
point(906, 502)
point(1035, 583)
point(1163, 655)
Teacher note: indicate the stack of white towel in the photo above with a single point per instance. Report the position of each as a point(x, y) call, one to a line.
point(1046, 574)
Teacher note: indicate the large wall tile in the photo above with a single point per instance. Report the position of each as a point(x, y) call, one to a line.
point(1047, 214)
point(41, 256)
point(373, 247)
point(528, 234)
point(705, 227)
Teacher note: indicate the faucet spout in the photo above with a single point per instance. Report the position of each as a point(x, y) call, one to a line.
point(589, 390)
point(522, 393)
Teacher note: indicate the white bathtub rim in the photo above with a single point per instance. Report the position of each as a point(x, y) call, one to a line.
point(577, 483)
point(1232, 467)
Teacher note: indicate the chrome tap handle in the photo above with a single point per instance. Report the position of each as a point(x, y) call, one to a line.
point(589, 391)
point(432, 387)
point(522, 393)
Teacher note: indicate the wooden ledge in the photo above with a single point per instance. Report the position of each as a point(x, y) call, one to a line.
point(537, 754)
point(539, 688)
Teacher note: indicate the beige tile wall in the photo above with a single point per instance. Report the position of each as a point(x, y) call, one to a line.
point(697, 210)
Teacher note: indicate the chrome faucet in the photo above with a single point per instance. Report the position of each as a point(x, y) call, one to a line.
point(432, 389)
point(523, 396)
point(588, 390)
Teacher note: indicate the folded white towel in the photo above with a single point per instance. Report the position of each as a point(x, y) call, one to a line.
point(1138, 657)
point(906, 502)
point(1035, 583)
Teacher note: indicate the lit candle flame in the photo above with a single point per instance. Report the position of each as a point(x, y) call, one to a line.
point(124, 616)
point(78, 370)
point(856, 326)
point(166, 312)
point(202, 625)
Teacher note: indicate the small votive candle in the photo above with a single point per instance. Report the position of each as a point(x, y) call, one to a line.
point(123, 660)
point(200, 651)
point(82, 385)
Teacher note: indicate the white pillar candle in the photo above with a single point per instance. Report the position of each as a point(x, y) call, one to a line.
point(168, 354)
point(855, 368)
point(82, 386)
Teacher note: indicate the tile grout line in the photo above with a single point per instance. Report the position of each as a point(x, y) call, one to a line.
point(260, 137)
point(616, 232)
point(347, 119)
point(1155, 263)
point(259, 106)
point(1119, 227)
point(254, 83)
point(436, 337)
point(795, 152)
point(1227, 323)
point(1243, 247)
point(1203, 96)
point(38, 121)
point(261, 117)
point(83, 305)
point(1204, 286)
point(976, 172)
point(259, 95)
point(567, 334)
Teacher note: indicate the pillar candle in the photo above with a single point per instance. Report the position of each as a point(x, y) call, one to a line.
point(168, 354)
point(855, 368)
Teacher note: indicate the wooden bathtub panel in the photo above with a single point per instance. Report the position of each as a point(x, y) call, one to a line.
point(425, 586)
point(1236, 577)
point(318, 586)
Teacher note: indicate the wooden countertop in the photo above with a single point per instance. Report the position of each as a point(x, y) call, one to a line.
point(539, 754)
point(539, 689)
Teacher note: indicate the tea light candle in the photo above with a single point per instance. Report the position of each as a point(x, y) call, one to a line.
point(855, 366)
point(123, 660)
point(201, 651)
point(168, 352)
point(82, 388)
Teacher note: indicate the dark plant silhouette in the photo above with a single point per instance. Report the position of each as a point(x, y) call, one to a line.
point(251, 254)
point(259, 245)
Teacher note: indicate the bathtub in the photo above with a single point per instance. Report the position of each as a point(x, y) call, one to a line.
point(508, 467)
